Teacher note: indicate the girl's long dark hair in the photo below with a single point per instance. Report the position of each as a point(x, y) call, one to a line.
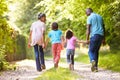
point(69, 34)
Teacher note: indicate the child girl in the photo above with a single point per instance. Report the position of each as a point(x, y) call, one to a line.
point(70, 49)
point(56, 39)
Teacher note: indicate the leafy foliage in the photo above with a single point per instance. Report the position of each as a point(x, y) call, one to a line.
point(114, 25)
point(70, 14)
point(24, 13)
point(6, 35)
point(2, 56)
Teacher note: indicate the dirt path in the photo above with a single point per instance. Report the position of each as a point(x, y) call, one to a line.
point(85, 72)
point(26, 71)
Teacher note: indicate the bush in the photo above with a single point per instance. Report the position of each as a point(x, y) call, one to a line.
point(18, 50)
point(4, 65)
point(2, 56)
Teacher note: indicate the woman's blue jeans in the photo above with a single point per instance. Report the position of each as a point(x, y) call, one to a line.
point(95, 43)
point(39, 56)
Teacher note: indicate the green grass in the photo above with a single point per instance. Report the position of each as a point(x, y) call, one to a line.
point(63, 60)
point(82, 58)
point(108, 60)
point(48, 57)
point(58, 74)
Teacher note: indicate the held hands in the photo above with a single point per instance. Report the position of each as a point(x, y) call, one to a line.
point(43, 45)
point(87, 42)
point(84, 42)
point(103, 42)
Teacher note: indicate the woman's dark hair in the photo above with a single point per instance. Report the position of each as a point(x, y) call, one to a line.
point(54, 26)
point(40, 15)
point(69, 34)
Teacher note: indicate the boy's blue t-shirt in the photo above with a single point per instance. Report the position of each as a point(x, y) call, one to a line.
point(96, 23)
point(55, 36)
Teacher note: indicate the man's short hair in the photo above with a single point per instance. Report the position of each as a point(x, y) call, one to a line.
point(90, 9)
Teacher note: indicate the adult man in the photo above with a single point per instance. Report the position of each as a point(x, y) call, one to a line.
point(37, 40)
point(96, 31)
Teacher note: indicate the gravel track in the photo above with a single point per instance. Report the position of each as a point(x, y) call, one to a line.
point(26, 71)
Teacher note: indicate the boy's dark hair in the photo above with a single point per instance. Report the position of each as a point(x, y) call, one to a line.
point(40, 15)
point(69, 34)
point(54, 26)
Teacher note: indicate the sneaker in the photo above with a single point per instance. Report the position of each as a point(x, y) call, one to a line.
point(43, 67)
point(72, 67)
point(93, 66)
point(39, 70)
point(55, 65)
point(96, 69)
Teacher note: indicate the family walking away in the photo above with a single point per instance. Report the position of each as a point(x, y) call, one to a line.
point(96, 31)
point(55, 35)
point(95, 36)
point(37, 40)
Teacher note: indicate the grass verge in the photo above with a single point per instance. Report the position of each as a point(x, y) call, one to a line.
point(82, 58)
point(58, 74)
point(108, 60)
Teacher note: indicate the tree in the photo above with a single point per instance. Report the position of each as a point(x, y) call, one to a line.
point(24, 13)
point(71, 14)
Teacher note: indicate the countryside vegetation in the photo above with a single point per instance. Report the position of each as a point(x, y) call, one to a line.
point(16, 17)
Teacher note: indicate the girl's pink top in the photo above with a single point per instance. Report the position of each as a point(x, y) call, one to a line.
point(71, 43)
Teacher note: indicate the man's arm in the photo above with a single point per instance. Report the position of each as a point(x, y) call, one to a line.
point(88, 33)
point(104, 35)
point(104, 29)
